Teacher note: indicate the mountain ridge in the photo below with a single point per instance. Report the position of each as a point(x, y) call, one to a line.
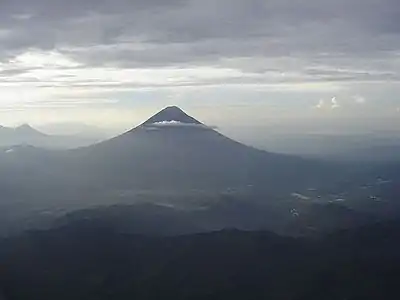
point(22, 129)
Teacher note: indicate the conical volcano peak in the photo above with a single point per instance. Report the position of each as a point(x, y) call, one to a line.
point(172, 114)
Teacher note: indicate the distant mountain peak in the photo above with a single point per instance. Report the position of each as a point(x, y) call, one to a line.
point(24, 126)
point(27, 129)
point(171, 114)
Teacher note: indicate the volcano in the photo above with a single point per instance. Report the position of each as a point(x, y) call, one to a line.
point(172, 150)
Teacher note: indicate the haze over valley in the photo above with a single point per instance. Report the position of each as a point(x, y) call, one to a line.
point(178, 162)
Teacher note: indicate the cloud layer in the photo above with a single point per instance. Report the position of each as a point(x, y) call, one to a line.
point(84, 53)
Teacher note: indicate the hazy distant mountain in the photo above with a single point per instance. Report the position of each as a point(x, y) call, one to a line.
point(27, 135)
point(22, 135)
point(76, 129)
point(19, 134)
point(361, 147)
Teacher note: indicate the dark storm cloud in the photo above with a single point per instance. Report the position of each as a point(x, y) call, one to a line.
point(158, 33)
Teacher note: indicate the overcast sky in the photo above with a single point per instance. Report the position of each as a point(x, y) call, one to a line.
point(227, 62)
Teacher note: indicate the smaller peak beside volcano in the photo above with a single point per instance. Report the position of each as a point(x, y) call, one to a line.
point(27, 129)
point(171, 114)
point(24, 127)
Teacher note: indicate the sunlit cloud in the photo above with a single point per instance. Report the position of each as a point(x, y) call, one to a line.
point(323, 104)
point(320, 104)
point(334, 103)
point(359, 99)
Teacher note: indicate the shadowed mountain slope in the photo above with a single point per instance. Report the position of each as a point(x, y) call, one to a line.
point(174, 150)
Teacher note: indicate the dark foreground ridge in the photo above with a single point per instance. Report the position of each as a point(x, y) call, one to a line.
point(81, 261)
